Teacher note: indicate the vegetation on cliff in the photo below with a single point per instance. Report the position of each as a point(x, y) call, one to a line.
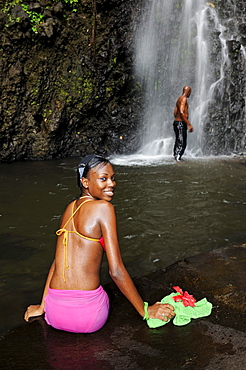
point(66, 78)
point(67, 81)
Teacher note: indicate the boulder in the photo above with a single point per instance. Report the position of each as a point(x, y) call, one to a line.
point(126, 342)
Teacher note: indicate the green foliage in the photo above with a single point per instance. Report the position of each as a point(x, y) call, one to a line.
point(71, 2)
point(35, 18)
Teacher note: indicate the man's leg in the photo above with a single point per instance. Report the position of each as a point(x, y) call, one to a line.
point(180, 129)
point(176, 144)
point(183, 142)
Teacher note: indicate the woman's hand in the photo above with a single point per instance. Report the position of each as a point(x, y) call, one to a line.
point(33, 310)
point(161, 311)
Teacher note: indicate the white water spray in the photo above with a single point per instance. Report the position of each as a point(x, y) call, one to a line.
point(171, 52)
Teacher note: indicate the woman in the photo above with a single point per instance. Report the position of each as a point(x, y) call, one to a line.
point(73, 299)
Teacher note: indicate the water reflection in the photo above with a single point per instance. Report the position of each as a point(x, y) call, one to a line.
point(166, 212)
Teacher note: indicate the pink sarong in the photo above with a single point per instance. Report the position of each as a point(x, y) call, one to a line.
point(78, 311)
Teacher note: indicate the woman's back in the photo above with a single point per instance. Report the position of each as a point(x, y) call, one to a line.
point(73, 299)
point(78, 259)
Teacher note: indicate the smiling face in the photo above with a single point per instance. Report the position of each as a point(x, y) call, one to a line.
point(100, 183)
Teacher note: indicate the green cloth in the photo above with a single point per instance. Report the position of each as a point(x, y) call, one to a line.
point(183, 314)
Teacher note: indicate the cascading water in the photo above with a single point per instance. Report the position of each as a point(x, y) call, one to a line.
point(172, 50)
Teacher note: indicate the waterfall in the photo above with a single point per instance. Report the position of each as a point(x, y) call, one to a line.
point(172, 50)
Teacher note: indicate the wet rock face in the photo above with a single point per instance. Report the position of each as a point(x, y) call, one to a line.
point(226, 120)
point(68, 86)
point(125, 342)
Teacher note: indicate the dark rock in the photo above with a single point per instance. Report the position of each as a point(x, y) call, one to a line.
point(18, 12)
point(214, 342)
point(76, 88)
point(71, 78)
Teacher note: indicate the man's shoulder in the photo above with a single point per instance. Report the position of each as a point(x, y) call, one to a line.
point(183, 99)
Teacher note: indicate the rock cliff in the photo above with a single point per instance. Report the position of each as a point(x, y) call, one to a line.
point(67, 82)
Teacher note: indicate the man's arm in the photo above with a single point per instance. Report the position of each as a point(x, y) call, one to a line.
point(183, 113)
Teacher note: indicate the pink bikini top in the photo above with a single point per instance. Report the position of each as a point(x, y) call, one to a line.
point(64, 231)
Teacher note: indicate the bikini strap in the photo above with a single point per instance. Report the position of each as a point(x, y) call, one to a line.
point(74, 212)
point(65, 237)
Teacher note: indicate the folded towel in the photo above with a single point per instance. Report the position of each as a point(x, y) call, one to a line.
point(184, 314)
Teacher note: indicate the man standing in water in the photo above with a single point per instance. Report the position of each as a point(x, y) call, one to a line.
point(181, 123)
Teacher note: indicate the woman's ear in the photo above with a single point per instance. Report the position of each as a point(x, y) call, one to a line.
point(85, 182)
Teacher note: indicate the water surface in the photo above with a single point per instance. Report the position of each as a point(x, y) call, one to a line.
point(166, 212)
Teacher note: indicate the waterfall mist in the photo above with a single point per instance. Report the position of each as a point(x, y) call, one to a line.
point(173, 50)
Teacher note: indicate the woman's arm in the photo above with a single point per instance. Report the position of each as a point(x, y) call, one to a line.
point(118, 271)
point(37, 310)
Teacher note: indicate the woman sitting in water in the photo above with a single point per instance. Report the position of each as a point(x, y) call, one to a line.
point(73, 299)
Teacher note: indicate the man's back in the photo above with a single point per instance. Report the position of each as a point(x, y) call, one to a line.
point(181, 108)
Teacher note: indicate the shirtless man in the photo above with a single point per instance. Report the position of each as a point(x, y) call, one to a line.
point(181, 123)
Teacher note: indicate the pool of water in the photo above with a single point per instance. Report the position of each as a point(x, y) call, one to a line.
point(166, 212)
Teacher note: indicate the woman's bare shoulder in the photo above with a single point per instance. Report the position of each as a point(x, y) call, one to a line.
point(104, 205)
point(69, 205)
point(103, 208)
point(67, 210)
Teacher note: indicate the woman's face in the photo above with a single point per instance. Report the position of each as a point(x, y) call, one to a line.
point(100, 182)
